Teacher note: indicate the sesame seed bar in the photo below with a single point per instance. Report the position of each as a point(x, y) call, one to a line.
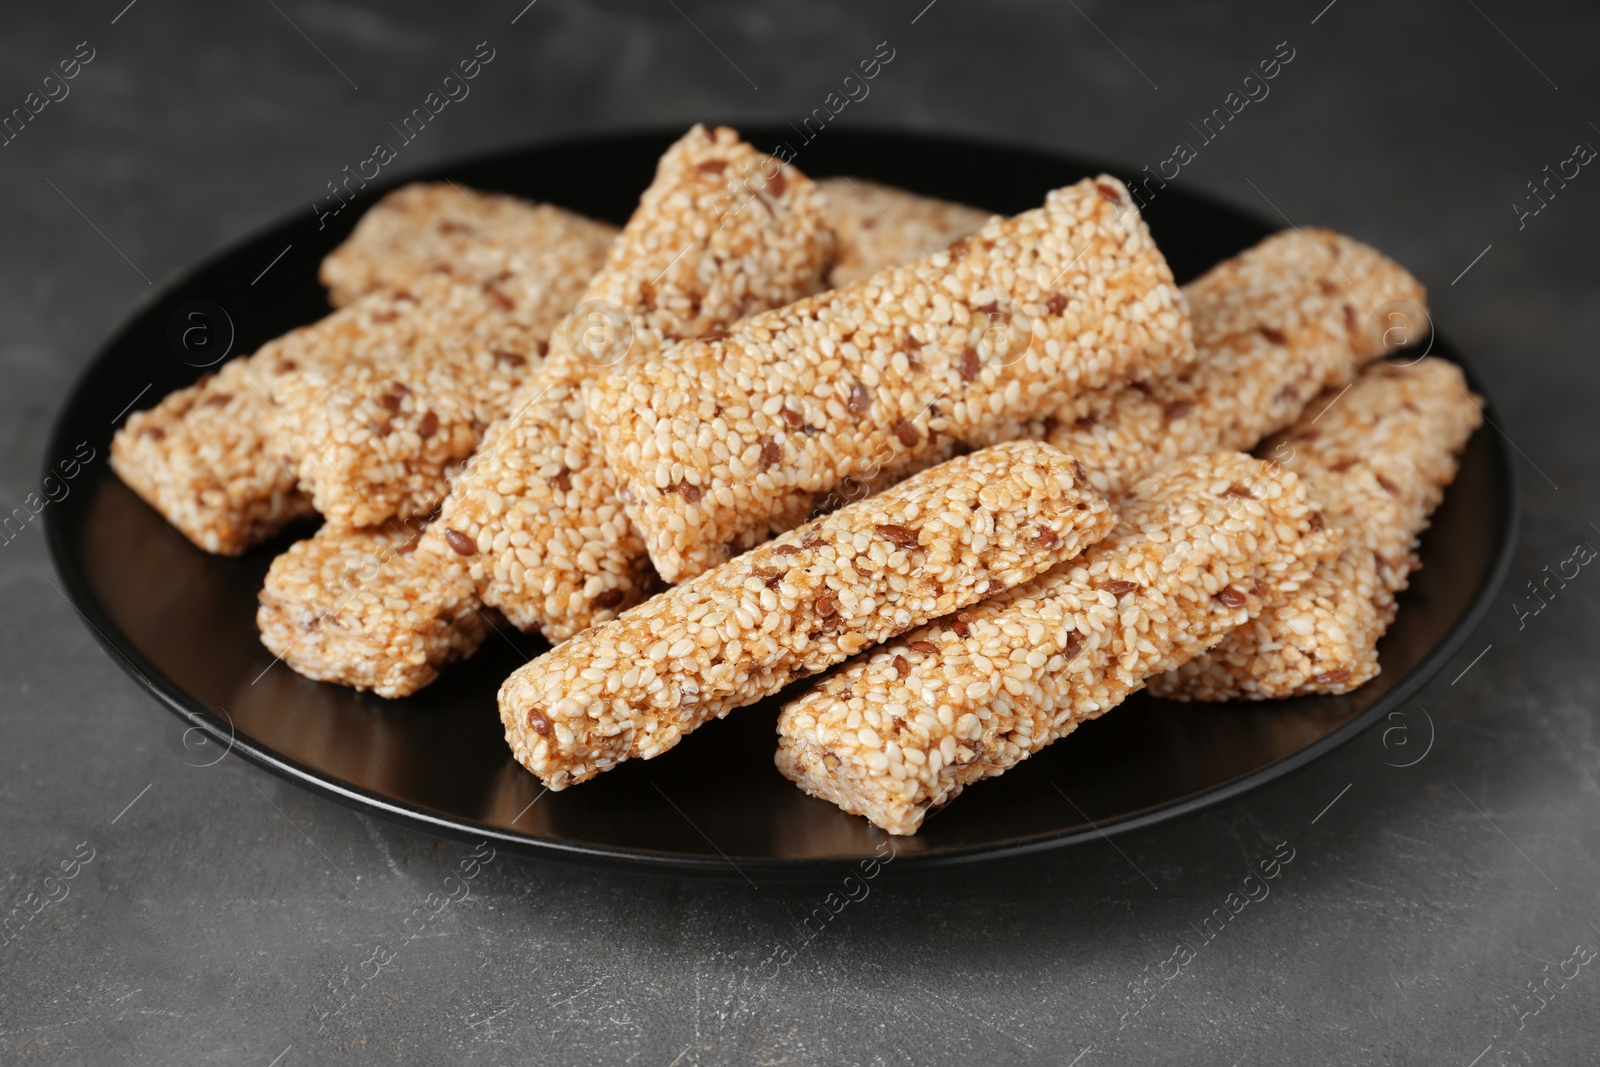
point(905, 728)
point(631, 688)
point(881, 226)
point(1378, 461)
point(1272, 327)
point(716, 440)
point(429, 227)
point(376, 434)
point(723, 231)
point(330, 610)
point(200, 458)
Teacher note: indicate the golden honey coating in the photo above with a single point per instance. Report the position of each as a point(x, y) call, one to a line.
point(332, 610)
point(1378, 461)
point(716, 440)
point(443, 227)
point(633, 687)
point(905, 728)
point(722, 232)
point(1273, 326)
point(880, 226)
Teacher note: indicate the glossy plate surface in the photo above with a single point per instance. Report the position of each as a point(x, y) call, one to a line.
point(182, 622)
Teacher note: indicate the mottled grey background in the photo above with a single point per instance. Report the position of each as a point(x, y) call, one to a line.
point(1418, 912)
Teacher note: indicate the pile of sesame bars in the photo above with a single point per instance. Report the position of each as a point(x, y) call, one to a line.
point(986, 476)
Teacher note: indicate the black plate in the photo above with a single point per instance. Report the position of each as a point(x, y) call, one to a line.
point(182, 622)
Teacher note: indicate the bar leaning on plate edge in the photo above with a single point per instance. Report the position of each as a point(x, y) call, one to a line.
point(1271, 329)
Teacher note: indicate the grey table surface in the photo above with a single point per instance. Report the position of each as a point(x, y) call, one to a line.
point(227, 917)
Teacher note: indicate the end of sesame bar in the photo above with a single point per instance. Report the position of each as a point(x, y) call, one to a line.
point(1274, 325)
point(443, 227)
point(360, 609)
point(203, 459)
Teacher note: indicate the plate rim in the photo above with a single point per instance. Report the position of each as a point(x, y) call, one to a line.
point(629, 859)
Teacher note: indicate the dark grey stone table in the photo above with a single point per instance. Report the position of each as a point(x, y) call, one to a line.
point(226, 917)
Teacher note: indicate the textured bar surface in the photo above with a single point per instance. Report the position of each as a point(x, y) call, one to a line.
point(880, 226)
point(203, 459)
point(716, 444)
point(429, 227)
point(631, 688)
point(376, 434)
point(907, 727)
point(1273, 326)
point(331, 609)
point(1378, 462)
point(206, 456)
point(721, 233)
